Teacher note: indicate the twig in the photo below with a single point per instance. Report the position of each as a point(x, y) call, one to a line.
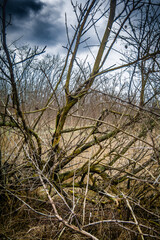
point(134, 217)
point(85, 196)
point(71, 226)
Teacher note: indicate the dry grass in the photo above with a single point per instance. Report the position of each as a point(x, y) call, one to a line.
point(18, 221)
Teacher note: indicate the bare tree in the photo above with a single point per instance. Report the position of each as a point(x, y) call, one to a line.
point(92, 139)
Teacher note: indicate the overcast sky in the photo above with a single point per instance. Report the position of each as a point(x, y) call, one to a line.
point(40, 22)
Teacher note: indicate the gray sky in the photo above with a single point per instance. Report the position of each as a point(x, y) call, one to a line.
point(40, 22)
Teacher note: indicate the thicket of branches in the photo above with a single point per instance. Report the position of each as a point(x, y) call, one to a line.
point(80, 142)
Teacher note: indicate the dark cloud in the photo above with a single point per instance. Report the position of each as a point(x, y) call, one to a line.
point(36, 22)
point(46, 32)
point(22, 8)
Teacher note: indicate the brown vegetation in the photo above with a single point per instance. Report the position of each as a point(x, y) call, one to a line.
point(81, 160)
